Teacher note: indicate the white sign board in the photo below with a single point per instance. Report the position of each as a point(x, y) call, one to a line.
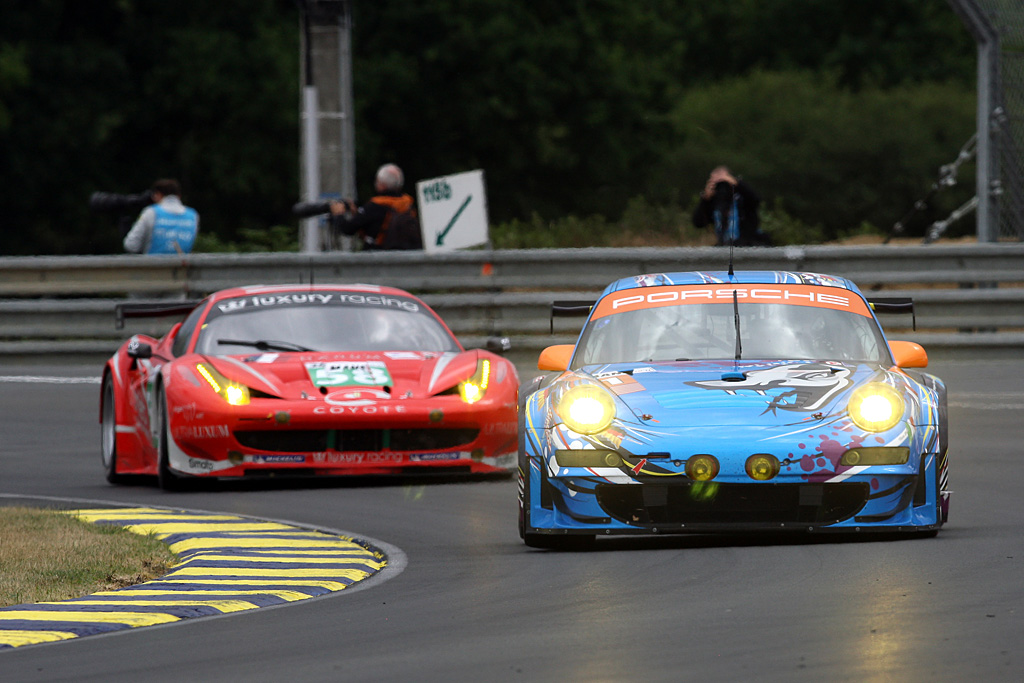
point(453, 211)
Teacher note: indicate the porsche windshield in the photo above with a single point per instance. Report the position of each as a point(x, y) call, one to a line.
point(321, 322)
point(707, 331)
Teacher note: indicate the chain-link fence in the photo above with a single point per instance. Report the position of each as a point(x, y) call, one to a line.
point(998, 26)
point(1008, 18)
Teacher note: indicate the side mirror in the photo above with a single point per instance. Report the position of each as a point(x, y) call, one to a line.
point(137, 349)
point(555, 358)
point(908, 354)
point(498, 345)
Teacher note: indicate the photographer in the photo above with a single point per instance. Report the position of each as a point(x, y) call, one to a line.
point(166, 226)
point(731, 205)
point(387, 221)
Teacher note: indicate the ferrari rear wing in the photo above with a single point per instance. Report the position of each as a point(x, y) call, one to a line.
point(569, 309)
point(897, 305)
point(153, 309)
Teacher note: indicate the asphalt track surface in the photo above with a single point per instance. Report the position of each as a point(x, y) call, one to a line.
point(472, 603)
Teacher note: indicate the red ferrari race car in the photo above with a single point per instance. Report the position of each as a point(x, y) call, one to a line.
point(304, 380)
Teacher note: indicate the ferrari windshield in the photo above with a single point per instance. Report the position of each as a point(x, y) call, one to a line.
point(324, 322)
point(707, 331)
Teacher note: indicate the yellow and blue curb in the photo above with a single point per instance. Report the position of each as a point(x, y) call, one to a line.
point(227, 564)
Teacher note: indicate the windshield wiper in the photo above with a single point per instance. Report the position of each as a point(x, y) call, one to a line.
point(736, 315)
point(265, 345)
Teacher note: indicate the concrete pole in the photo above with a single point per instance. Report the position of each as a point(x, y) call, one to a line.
point(987, 38)
point(311, 241)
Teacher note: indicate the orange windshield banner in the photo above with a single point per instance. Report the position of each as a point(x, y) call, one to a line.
point(677, 295)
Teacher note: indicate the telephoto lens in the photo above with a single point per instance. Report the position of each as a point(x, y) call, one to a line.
point(309, 209)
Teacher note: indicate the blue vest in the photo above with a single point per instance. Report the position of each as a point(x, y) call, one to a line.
point(171, 228)
point(727, 228)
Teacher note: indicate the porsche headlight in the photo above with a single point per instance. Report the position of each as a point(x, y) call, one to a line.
point(876, 407)
point(762, 466)
point(702, 467)
point(474, 388)
point(876, 455)
point(586, 409)
point(234, 393)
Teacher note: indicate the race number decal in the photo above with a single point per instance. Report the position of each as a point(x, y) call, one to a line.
point(348, 374)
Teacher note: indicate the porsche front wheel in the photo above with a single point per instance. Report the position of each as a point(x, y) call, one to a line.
point(571, 542)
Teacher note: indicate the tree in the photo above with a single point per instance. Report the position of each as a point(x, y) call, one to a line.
point(570, 107)
point(117, 94)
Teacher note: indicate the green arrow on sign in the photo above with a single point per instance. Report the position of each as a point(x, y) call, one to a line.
point(441, 235)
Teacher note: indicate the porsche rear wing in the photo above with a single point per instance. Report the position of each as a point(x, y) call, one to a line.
point(153, 309)
point(897, 305)
point(569, 309)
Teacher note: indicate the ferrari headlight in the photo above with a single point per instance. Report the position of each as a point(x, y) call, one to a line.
point(876, 407)
point(234, 393)
point(474, 388)
point(877, 455)
point(586, 409)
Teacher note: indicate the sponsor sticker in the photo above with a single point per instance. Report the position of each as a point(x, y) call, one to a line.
point(349, 374)
point(278, 459)
point(375, 457)
point(505, 428)
point(434, 457)
point(621, 383)
point(202, 432)
point(199, 465)
point(677, 295)
point(316, 299)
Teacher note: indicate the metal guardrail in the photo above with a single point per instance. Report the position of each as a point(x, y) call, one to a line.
point(969, 297)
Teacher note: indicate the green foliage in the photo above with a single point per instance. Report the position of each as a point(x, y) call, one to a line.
point(837, 112)
point(277, 238)
point(539, 233)
point(113, 94)
point(833, 157)
point(559, 102)
point(784, 229)
point(880, 43)
point(644, 225)
point(13, 74)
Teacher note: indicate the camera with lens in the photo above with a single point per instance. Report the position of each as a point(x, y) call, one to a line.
point(113, 202)
point(310, 209)
point(128, 205)
point(723, 195)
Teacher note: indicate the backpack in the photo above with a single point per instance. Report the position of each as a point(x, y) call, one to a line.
point(400, 230)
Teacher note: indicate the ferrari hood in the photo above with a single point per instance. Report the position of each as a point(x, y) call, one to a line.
point(405, 374)
point(727, 393)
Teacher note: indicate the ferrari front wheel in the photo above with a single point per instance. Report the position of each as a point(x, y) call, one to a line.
point(108, 432)
point(168, 480)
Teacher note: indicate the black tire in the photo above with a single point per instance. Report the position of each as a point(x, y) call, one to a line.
point(547, 541)
point(524, 474)
point(560, 542)
point(168, 480)
point(108, 432)
point(941, 517)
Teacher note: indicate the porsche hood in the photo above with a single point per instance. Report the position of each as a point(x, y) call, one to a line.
point(727, 393)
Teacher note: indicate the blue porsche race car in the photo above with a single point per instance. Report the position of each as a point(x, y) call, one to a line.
point(747, 401)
